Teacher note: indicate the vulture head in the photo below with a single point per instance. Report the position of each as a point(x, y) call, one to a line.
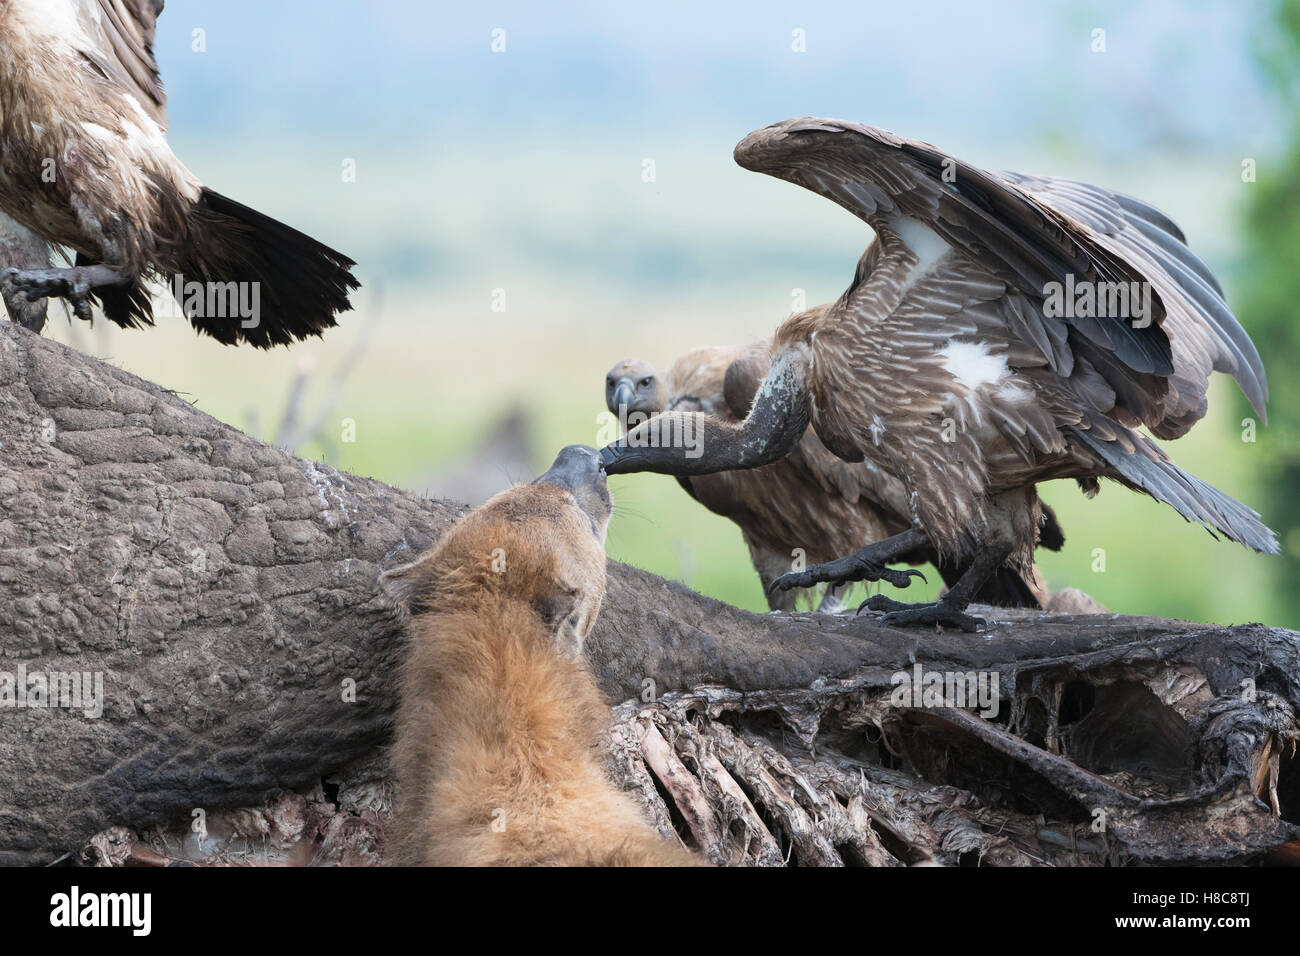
point(716, 380)
point(633, 388)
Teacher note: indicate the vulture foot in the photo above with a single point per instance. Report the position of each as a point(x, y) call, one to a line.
point(878, 602)
point(855, 567)
point(907, 615)
point(74, 284)
point(28, 313)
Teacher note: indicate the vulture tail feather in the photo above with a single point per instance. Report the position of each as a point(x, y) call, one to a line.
point(1192, 498)
point(299, 284)
point(1051, 536)
point(1005, 588)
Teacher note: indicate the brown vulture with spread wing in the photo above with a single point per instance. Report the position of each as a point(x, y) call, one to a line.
point(810, 500)
point(85, 166)
point(956, 363)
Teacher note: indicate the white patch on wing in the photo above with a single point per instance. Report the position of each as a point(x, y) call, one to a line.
point(975, 367)
point(147, 127)
point(60, 22)
point(926, 244)
point(149, 139)
point(972, 364)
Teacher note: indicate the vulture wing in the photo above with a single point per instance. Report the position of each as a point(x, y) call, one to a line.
point(881, 178)
point(948, 311)
point(121, 36)
point(1030, 232)
point(1204, 333)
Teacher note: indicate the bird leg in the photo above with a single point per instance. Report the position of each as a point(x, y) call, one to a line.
point(74, 283)
point(865, 564)
point(947, 611)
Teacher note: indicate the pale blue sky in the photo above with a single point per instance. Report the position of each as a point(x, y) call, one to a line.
point(476, 164)
point(414, 68)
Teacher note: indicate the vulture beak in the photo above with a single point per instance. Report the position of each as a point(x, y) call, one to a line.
point(624, 394)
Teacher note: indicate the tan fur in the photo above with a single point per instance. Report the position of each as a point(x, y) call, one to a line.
point(500, 731)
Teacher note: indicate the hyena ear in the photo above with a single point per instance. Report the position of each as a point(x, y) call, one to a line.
point(557, 607)
point(406, 584)
point(564, 613)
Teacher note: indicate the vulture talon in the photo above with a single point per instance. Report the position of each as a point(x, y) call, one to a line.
point(791, 579)
point(844, 571)
point(879, 602)
point(937, 613)
point(74, 283)
point(901, 579)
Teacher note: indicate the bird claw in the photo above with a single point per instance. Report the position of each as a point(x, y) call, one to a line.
point(73, 284)
point(901, 579)
point(844, 571)
point(878, 602)
point(938, 613)
point(40, 283)
point(791, 579)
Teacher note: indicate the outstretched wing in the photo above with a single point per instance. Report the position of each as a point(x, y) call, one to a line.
point(1205, 334)
point(121, 34)
point(1027, 234)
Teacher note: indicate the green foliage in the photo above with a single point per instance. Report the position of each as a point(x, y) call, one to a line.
point(1271, 302)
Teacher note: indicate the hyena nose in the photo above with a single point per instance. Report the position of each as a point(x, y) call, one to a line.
point(575, 467)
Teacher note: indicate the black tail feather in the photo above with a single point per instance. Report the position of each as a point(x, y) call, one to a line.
point(1005, 588)
point(301, 284)
point(1051, 536)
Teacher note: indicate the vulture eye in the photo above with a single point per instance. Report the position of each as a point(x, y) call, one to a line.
point(645, 382)
point(609, 383)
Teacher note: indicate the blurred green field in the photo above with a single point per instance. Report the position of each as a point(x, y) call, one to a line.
point(708, 255)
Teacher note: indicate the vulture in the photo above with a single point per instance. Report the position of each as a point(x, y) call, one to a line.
point(809, 500)
point(1000, 330)
point(85, 168)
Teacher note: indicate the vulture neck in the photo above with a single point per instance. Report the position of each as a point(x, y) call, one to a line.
point(689, 443)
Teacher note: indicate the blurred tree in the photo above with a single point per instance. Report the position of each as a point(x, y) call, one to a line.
point(1270, 306)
